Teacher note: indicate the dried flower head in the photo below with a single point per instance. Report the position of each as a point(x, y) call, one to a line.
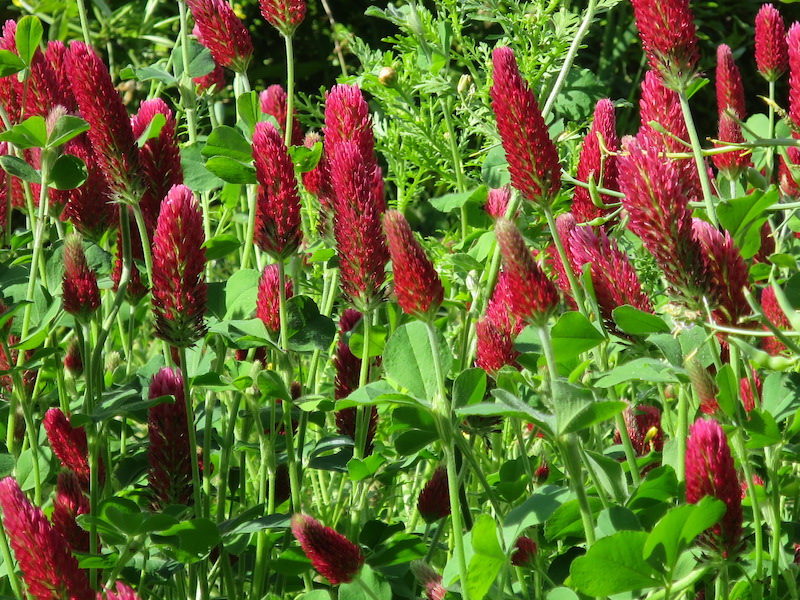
point(179, 260)
point(771, 51)
point(710, 472)
point(48, 567)
point(532, 296)
point(433, 502)
point(524, 553)
point(70, 501)
point(669, 38)
point(331, 554)
point(169, 453)
point(223, 33)
point(284, 15)
point(80, 292)
point(596, 163)
point(273, 103)
point(532, 156)
point(278, 231)
point(416, 283)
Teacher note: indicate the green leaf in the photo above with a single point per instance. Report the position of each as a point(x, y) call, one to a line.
point(189, 541)
point(378, 586)
point(28, 37)
point(10, 63)
point(227, 141)
point(640, 369)
point(68, 172)
point(576, 409)
point(610, 476)
point(469, 387)
point(19, 168)
point(231, 170)
point(488, 558)
point(408, 359)
point(305, 159)
point(638, 322)
point(200, 60)
point(573, 334)
point(744, 217)
point(195, 175)
point(728, 387)
point(566, 521)
point(355, 340)
point(241, 293)
point(361, 469)
point(154, 73)
point(248, 107)
point(221, 246)
point(24, 471)
point(534, 511)
point(762, 428)
point(31, 133)
point(582, 89)
point(613, 565)
point(66, 128)
point(449, 202)
point(494, 171)
point(153, 129)
point(308, 330)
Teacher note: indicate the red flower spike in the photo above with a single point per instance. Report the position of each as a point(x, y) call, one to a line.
point(433, 502)
point(750, 398)
point(497, 330)
point(347, 119)
point(532, 155)
point(89, 207)
point(710, 472)
point(497, 202)
point(592, 163)
point(346, 425)
point(657, 202)
point(56, 54)
point(669, 39)
point(532, 296)
point(771, 50)
point(284, 15)
point(644, 429)
point(70, 501)
point(278, 231)
point(416, 283)
point(169, 454)
point(331, 554)
point(160, 157)
point(542, 473)
point(69, 445)
point(179, 260)
point(72, 359)
point(223, 33)
point(793, 41)
point(110, 127)
point(124, 592)
point(48, 567)
point(773, 312)
point(357, 227)
point(730, 105)
point(273, 103)
point(268, 304)
point(80, 292)
point(733, 163)
point(524, 552)
point(430, 579)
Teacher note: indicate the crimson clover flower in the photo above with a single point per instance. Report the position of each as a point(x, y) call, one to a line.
point(331, 554)
point(771, 50)
point(223, 33)
point(433, 502)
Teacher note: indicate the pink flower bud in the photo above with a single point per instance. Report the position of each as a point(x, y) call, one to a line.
point(771, 50)
point(433, 502)
point(284, 15)
point(331, 554)
point(532, 156)
point(524, 552)
point(273, 103)
point(497, 202)
point(268, 303)
point(69, 444)
point(70, 501)
point(223, 33)
point(80, 292)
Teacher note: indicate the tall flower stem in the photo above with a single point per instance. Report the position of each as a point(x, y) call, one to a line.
point(457, 165)
point(771, 129)
point(287, 132)
point(188, 95)
point(773, 462)
point(362, 412)
point(5, 551)
point(145, 237)
point(741, 450)
point(681, 433)
point(443, 416)
point(87, 37)
point(697, 151)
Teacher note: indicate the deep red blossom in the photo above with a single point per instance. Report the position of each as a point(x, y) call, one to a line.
point(331, 554)
point(278, 220)
point(223, 33)
point(710, 472)
point(524, 553)
point(284, 15)
point(657, 202)
point(72, 359)
point(730, 106)
point(179, 260)
point(347, 119)
point(89, 207)
point(669, 39)
point(793, 41)
point(433, 502)
point(70, 501)
point(80, 292)
point(416, 283)
point(110, 127)
point(48, 568)
point(643, 423)
point(268, 303)
point(771, 51)
point(532, 296)
point(69, 444)
point(593, 162)
point(160, 157)
point(57, 55)
point(750, 398)
point(773, 312)
point(532, 155)
point(169, 454)
point(273, 103)
point(497, 330)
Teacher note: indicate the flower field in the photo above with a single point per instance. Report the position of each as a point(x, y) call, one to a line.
point(460, 323)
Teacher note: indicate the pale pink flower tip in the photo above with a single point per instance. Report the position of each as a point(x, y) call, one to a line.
point(331, 554)
point(123, 592)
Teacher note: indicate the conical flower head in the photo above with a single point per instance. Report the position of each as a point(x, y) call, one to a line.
point(532, 156)
point(497, 330)
point(346, 364)
point(284, 15)
point(771, 51)
point(532, 296)
point(662, 105)
point(644, 429)
point(416, 282)
point(657, 202)
point(429, 579)
point(89, 207)
point(730, 106)
point(793, 40)
point(268, 303)
point(69, 444)
point(595, 163)
point(179, 260)
point(278, 231)
point(223, 33)
point(169, 453)
point(433, 502)
point(273, 103)
point(48, 568)
point(331, 554)
point(710, 472)
point(524, 552)
point(497, 201)
point(70, 501)
point(773, 311)
point(80, 292)
point(669, 38)
point(110, 128)
point(347, 119)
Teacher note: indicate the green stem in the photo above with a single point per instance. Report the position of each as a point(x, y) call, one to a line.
point(9, 563)
point(287, 132)
point(682, 433)
point(363, 412)
point(87, 38)
point(577, 291)
point(145, 238)
point(773, 459)
point(697, 151)
point(771, 130)
point(457, 165)
point(568, 448)
point(741, 450)
point(187, 91)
